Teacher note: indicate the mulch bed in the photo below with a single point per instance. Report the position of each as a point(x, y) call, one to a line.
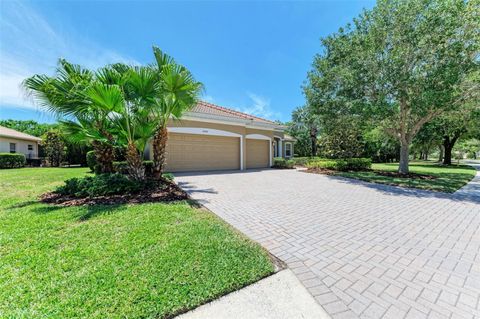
point(382, 173)
point(161, 192)
point(409, 175)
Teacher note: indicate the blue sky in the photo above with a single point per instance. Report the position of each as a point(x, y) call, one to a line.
point(251, 56)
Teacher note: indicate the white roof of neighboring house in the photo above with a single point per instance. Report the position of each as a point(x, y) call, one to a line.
point(8, 132)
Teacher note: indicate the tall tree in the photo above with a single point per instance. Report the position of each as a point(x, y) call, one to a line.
point(178, 92)
point(399, 65)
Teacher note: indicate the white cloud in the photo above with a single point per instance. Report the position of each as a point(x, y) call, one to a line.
point(260, 106)
point(31, 45)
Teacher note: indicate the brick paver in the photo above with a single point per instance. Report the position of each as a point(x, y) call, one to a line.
point(362, 250)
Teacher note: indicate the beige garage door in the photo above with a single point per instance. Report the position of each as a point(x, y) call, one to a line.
point(258, 153)
point(193, 152)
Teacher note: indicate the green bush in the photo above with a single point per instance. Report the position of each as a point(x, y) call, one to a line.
point(349, 164)
point(122, 167)
point(15, 160)
point(91, 160)
point(168, 176)
point(280, 162)
point(99, 185)
point(303, 161)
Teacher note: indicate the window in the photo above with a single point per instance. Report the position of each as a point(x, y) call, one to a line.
point(288, 149)
point(30, 147)
point(13, 147)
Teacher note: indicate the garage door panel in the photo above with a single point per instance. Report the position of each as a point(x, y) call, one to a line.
point(258, 153)
point(193, 152)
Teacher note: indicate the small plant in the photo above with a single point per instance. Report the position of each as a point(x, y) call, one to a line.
point(280, 162)
point(167, 176)
point(8, 160)
point(99, 185)
point(91, 160)
point(122, 167)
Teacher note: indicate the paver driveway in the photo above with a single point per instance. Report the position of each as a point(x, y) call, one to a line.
point(362, 250)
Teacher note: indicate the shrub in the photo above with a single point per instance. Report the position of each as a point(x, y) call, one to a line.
point(168, 176)
point(99, 185)
point(303, 161)
point(349, 164)
point(15, 160)
point(91, 160)
point(280, 162)
point(122, 167)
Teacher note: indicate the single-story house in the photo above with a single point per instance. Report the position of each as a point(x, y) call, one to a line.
point(12, 141)
point(211, 137)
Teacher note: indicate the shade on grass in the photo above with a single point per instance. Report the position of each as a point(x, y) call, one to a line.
point(446, 178)
point(130, 261)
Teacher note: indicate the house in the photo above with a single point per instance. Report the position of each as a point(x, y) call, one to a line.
point(12, 141)
point(211, 137)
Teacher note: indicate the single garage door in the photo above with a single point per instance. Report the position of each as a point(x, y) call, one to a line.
point(194, 152)
point(258, 153)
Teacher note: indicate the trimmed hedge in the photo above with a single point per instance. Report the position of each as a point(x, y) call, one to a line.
point(12, 160)
point(348, 164)
point(280, 162)
point(303, 161)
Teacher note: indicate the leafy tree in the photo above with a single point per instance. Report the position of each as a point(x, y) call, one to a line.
point(178, 92)
point(343, 139)
point(399, 65)
point(305, 124)
point(380, 147)
point(28, 126)
point(54, 147)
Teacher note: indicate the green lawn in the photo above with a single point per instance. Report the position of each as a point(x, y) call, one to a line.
point(129, 261)
point(446, 178)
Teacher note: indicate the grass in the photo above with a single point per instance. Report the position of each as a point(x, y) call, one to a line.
point(130, 261)
point(446, 179)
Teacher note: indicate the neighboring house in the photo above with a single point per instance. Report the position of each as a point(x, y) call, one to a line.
point(211, 137)
point(12, 141)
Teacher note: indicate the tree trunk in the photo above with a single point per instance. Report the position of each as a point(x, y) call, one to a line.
point(104, 156)
point(135, 163)
point(159, 147)
point(448, 147)
point(440, 153)
point(404, 152)
point(313, 139)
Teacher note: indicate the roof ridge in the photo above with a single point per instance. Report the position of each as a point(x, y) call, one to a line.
point(235, 112)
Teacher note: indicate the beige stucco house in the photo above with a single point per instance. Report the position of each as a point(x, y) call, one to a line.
point(211, 137)
point(12, 141)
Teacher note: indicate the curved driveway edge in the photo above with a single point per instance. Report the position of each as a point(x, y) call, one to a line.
point(362, 250)
point(279, 296)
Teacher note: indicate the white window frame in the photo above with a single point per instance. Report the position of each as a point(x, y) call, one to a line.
point(289, 144)
point(30, 147)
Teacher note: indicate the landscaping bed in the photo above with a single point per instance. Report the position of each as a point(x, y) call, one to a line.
point(152, 192)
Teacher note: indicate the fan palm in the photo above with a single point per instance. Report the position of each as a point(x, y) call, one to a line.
point(178, 92)
point(65, 95)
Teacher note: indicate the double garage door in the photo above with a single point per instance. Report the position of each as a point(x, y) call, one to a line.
point(196, 152)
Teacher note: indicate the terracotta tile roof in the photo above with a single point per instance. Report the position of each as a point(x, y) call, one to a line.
point(213, 109)
point(8, 132)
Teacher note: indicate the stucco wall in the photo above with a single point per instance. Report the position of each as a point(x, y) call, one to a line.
point(21, 146)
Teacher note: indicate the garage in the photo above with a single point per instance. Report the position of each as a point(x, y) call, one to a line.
point(258, 153)
point(196, 152)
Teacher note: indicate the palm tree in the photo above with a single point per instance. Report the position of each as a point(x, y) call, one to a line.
point(65, 95)
point(130, 93)
point(303, 119)
point(178, 92)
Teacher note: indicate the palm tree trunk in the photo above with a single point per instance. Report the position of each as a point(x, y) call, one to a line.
point(159, 149)
point(135, 163)
point(104, 156)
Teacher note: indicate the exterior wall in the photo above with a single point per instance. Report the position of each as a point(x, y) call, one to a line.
point(21, 146)
point(236, 129)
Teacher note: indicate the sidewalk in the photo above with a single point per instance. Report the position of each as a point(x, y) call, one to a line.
point(280, 296)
